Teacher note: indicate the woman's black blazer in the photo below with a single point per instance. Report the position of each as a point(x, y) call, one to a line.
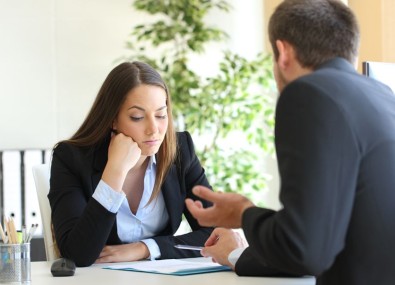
point(82, 226)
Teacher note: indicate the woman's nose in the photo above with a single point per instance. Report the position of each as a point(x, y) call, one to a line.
point(152, 127)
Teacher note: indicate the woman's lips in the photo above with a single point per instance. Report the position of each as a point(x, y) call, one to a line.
point(152, 142)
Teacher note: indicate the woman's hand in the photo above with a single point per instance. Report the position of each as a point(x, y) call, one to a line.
point(123, 253)
point(123, 154)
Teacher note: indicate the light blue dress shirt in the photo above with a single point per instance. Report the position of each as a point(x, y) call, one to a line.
point(148, 220)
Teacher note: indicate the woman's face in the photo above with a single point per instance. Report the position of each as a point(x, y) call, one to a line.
point(143, 117)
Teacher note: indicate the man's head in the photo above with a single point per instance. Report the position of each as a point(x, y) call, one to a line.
point(318, 30)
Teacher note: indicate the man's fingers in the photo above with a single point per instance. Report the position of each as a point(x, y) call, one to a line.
point(192, 205)
point(201, 214)
point(198, 204)
point(195, 208)
point(212, 240)
point(206, 193)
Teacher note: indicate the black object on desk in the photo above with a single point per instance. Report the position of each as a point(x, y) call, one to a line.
point(63, 267)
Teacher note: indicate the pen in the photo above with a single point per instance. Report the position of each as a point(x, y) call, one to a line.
point(189, 247)
point(31, 232)
point(23, 233)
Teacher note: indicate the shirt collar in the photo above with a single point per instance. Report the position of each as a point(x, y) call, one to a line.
point(151, 163)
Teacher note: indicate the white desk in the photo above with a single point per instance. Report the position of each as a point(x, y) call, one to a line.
point(95, 275)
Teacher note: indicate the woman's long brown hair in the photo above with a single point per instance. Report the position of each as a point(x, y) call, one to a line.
point(112, 94)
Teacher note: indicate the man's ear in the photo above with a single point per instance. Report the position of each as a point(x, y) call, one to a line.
point(283, 54)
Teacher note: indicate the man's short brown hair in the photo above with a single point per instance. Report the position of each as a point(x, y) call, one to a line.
point(318, 30)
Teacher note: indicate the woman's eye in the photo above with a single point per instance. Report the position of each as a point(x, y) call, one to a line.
point(136, 119)
point(162, 117)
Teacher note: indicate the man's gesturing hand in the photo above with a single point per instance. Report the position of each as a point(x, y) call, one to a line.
point(227, 209)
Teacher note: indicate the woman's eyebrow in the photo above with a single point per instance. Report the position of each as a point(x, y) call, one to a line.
point(161, 108)
point(142, 109)
point(137, 107)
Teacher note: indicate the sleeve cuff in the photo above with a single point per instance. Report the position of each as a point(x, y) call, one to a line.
point(234, 256)
point(153, 248)
point(108, 198)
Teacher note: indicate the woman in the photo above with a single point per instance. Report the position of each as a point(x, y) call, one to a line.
point(118, 185)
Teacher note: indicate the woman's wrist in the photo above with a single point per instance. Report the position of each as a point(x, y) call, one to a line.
point(113, 178)
point(144, 250)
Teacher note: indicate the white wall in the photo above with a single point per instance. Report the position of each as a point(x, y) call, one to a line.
point(55, 54)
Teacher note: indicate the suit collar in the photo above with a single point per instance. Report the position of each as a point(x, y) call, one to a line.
point(171, 194)
point(338, 63)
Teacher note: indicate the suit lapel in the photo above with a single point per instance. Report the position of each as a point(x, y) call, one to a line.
point(173, 199)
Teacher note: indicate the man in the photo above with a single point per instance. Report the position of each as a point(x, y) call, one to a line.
point(335, 145)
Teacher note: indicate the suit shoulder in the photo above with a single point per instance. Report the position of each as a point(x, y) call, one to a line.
point(66, 148)
point(185, 145)
point(184, 140)
point(68, 152)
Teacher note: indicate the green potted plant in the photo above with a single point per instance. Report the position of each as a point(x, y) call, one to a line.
point(231, 112)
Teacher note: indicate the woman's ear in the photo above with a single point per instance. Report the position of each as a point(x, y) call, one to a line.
point(114, 127)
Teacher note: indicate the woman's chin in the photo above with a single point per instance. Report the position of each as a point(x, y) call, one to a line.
point(149, 152)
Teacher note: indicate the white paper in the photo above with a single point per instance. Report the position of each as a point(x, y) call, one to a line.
point(165, 266)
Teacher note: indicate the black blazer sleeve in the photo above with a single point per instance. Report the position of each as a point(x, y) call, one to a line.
point(317, 158)
point(249, 264)
point(81, 225)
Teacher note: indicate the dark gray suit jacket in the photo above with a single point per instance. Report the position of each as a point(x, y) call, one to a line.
point(335, 143)
point(83, 227)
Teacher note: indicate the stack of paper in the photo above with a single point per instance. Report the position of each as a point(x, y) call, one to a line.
point(171, 266)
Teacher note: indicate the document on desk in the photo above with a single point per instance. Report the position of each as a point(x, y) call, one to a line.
point(171, 267)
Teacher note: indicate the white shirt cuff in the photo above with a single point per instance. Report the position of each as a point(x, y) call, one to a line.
point(153, 248)
point(234, 256)
point(107, 197)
